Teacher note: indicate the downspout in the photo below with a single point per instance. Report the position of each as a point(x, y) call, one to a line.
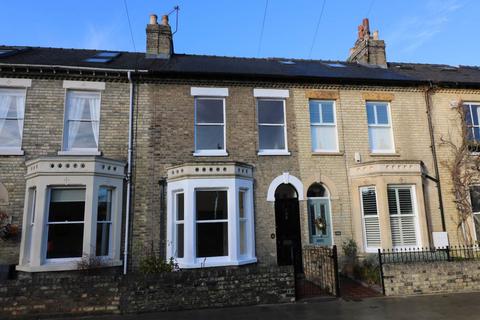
point(129, 174)
point(434, 154)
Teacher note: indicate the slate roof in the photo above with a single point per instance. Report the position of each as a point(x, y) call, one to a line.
point(276, 68)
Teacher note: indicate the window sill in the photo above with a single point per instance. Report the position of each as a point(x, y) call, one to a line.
point(79, 153)
point(11, 152)
point(215, 262)
point(63, 266)
point(274, 153)
point(384, 154)
point(327, 153)
point(210, 154)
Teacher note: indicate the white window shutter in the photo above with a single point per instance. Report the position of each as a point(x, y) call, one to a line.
point(402, 217)
point(370, 217)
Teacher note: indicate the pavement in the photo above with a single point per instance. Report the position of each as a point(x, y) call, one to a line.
point(463, 306)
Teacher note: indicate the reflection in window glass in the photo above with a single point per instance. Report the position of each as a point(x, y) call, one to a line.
point(271, 124)
point(104, 221)
point(65, 223)
point(212, 223)
point(209, 124)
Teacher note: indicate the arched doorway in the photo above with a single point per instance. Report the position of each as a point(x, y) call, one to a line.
point(287, 224)
point(319, 215)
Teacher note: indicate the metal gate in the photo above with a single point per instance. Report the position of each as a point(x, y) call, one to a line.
point(320, 272)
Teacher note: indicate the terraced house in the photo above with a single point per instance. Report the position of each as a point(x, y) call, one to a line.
point(220, 161)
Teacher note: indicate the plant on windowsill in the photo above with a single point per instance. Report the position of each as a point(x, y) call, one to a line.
point(8, 230)
point(350, 251)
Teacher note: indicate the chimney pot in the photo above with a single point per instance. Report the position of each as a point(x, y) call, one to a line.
point(165, 20)
point(153, 19)
point(368, 49)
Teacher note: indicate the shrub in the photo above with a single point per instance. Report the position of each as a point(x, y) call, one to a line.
point(8, 231)
point(152, 264)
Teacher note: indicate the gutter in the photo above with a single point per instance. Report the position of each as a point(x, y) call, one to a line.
point(436, 179)
point(66, 67)
point(129, 174)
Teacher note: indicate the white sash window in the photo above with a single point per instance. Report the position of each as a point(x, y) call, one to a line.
point(403, 219)
point(12, 109)
point(82, 121)
point(371, 222)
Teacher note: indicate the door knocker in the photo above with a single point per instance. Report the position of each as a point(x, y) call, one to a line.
point(320, 224)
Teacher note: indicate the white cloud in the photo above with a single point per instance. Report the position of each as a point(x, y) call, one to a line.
point(411, 33)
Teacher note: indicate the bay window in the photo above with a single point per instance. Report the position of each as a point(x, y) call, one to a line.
point(12, 109)
point(210, 215)
point(73, 210)
point(380, 127)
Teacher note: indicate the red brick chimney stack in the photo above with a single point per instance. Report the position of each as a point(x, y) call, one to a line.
point(367, 49)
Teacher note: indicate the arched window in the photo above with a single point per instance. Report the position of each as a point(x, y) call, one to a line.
point(317, 190)
point(286, 191)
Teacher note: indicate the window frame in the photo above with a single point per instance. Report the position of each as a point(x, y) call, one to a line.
point(177, 223)
point(79, 151)
point(210, 221)
point(48, 223)
point(473, 212)
point(210, 152)
point(271, 152)
point(364, 229)
point(322, 124)
point(414, 214)
point(389, 126)
point(22, 92)
point(472, 126)
point(109, 222)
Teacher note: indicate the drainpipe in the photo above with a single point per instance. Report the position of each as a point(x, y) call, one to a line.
point(434, 153)
point(129, 174)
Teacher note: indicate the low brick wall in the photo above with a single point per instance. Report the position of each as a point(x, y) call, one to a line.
point(431, 277)
point(86, 294)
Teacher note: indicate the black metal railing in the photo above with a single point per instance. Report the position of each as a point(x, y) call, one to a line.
point(319, 274)
point(429, 254)
point(426, 255)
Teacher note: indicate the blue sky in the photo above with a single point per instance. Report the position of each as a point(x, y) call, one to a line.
point(431, 31)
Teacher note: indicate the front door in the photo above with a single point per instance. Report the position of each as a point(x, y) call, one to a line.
point(289, 244)
point(319, 221)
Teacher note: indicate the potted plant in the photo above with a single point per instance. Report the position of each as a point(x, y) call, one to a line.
point(8, 230)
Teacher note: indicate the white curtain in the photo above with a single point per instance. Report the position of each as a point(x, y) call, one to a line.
point(5, 101)
point(75, 112)
point(20, 114)
point(94, 116)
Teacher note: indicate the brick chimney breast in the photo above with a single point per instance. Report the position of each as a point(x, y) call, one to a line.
point(159, 38)
point(368, 49)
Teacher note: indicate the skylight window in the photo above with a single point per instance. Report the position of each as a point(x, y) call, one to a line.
point(335, 65)
point(287, 62)
point(103, 57)
point(7, 52)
